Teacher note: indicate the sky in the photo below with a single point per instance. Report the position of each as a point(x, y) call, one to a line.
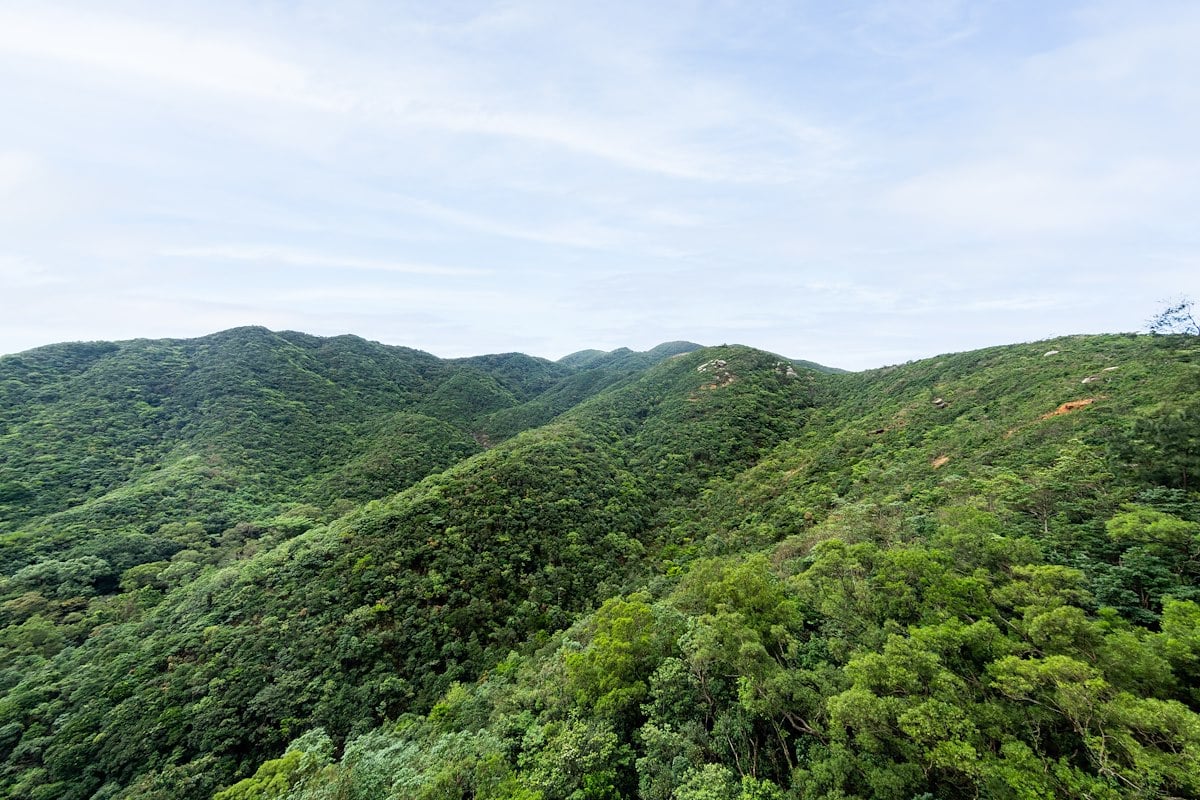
point(853, 183)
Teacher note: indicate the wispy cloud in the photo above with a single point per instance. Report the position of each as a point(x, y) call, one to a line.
point(585, 234)
point(917, 27)
point(1018, 303)
point(155, 54)
point(21, 272)
point(652, 127)
point(1092, 136)
point(1019, 196)
point(272, 255)
point(834, 181)
point(800, 151)
point(30, 192)
point(400, 299)
point(17, 169)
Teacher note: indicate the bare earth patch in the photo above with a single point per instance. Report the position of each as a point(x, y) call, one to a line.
point(1068, 407)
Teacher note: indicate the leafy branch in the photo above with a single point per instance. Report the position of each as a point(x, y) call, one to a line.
point(1175, 318)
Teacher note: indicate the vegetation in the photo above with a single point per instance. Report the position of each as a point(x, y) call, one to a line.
point(1177, 317)
point(262, 565)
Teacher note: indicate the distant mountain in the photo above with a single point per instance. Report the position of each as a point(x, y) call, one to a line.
point(801, 363)
point(581, 358)
point(271, 565)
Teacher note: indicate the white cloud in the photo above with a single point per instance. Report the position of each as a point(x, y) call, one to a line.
point(1027, 196)
point(659, 122)
point(1091, 137)
point(158, 55)
point(287, 256)
point(1017, 303)
point(791, 151)
point(398, 299)
point(916, 27)
point(17, 170)
point(598, 174)
point(585, 234)
point(21, 272)
point(30, 193)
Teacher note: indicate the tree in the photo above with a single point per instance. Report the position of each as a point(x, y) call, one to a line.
point(1175, 318)
point(1166, 444)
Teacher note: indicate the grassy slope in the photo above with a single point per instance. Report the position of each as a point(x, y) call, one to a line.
point(880, 439)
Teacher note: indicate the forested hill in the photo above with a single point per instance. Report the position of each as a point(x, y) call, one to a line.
point(269, 565)
point(245, 425)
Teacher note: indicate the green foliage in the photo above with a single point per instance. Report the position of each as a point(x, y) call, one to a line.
point(609, 676)
point(274, 779)
point(402, 450)
point(1166, 442)
point(686, 573)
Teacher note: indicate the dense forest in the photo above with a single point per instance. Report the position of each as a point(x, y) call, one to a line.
point(262, 565)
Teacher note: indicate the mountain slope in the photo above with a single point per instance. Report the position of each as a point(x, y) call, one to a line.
point(991, 594)
point(133, 438)
point(380, 611)
point(713, 573)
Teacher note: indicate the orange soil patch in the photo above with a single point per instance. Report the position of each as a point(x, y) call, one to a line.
point(1067, 408)
point(940, 461)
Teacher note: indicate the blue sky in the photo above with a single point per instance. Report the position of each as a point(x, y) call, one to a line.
point(854, 183)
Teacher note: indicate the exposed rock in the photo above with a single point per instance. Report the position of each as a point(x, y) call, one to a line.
point(1091, 378)
point(1050, 353)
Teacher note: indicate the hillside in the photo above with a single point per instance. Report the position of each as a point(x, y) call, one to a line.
point(330, 568)
point(241, 427)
